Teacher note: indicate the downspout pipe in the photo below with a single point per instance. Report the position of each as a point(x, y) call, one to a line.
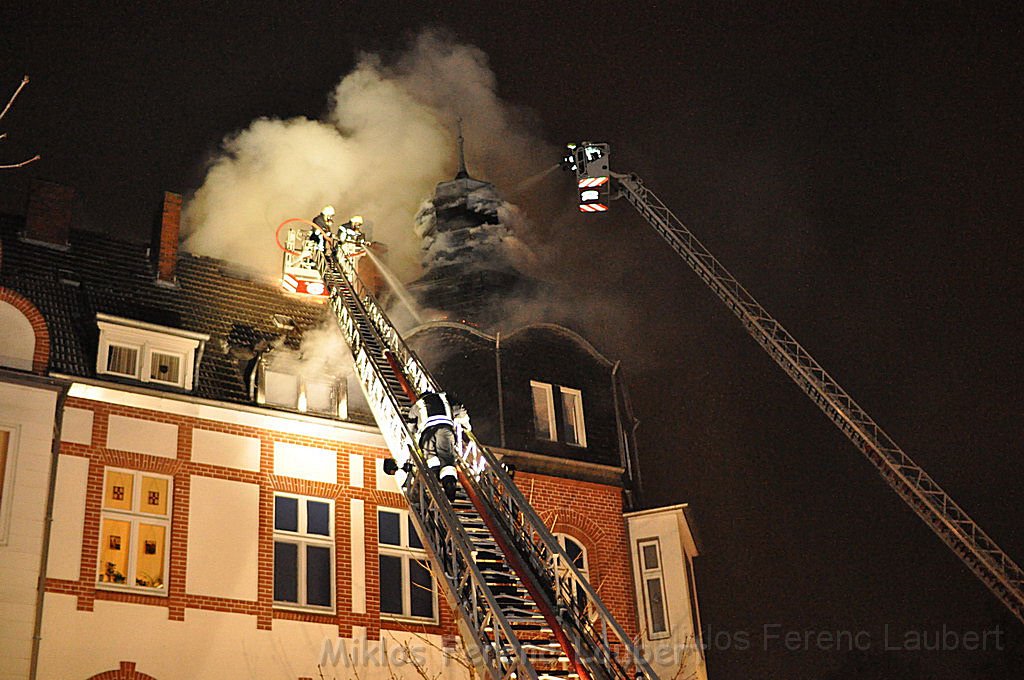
point(500, 390)
point(627, 438)
point(58, 423)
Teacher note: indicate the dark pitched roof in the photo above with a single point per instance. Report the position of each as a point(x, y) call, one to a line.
point(99, 273)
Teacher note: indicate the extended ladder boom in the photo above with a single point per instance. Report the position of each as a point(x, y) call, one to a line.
point(506, 575)
point(947, 519)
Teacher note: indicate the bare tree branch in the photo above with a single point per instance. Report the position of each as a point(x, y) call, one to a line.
point(10, 102)
point(24, 82)
point(11, 166)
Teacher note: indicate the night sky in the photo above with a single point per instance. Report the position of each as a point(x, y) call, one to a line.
point(858, 169)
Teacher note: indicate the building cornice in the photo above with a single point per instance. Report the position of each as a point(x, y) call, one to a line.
point(561, 467)
point(208, 409)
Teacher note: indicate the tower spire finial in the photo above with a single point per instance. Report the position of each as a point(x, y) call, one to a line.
point(463, 173)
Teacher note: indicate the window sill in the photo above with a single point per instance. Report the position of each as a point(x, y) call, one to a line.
point(303, 608)
point(133, 590)
point(398, 618)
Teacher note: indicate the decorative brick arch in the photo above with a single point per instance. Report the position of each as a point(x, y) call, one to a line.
point(125, 672)
point(41, 356)
point(582, 528)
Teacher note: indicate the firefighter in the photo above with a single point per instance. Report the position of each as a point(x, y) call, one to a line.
point(434, 419)
point(352, 230)
point(325, 220)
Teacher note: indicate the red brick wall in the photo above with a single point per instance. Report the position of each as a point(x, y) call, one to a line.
point(591, 513)
point(41, 355)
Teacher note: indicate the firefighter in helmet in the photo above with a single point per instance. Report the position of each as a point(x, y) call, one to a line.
point(352, 231)
point(434, 419)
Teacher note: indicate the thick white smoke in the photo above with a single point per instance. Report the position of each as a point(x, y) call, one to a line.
point(388, 139)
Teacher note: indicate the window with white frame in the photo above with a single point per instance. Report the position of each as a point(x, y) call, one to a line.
point(543, 411)
point(135, 531)
point(280, 388)
point(8, 448)
point(406, 584)
point(577, 554)
point(545, 419)
point(303, 552)
point(572, 416)
point(653, 585)
point(146, 352)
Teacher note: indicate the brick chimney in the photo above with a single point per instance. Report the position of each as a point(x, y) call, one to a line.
point(49, 213)
point(164, 248)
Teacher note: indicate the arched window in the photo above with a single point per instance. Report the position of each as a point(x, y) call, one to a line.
point(17, 338)
point(575, 551)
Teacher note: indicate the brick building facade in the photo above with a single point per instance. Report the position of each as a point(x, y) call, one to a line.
point(197, 512)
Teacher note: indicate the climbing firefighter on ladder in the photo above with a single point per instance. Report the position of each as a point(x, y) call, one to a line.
point(438, 426)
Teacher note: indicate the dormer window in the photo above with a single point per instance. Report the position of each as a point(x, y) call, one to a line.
point(281, 383)
point(147, 352)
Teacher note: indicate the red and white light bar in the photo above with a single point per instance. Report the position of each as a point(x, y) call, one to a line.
point(590, 182)
point(593, 207)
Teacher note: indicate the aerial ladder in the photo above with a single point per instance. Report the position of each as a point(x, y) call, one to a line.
point(525, 611)
point(597, 186)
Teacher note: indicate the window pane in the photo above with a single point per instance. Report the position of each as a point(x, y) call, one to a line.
point(118, 492)
point(388, 528)
point(542, 421)
point(319, 396)
point(122, 359)
point(657, 605)
point(165, 367)
point(318, 518)
point(281, 389)
point(318, 575)
point(573, 413)
point(575, 552)
point(286, 513)
point(115, 539)
point(154, 496)
point(390, 584)
point(414, 538)
point(650, 556)
point(286, 569)
point(421, 594)
point(149, 558)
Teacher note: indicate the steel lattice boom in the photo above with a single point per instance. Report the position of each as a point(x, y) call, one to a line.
point(525, 609)
point(947, 519)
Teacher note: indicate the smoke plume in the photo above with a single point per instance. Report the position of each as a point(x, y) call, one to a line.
point(388, 138)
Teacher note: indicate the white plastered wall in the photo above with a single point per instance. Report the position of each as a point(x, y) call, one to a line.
point(676, 655)
point(222, 646)
point(29, 414)
point(17, 339)
point(223, 538)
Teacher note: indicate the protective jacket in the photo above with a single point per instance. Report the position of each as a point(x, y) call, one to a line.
point(430, 411)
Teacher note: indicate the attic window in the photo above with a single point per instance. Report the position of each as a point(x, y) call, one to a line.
point(320, 395)
point(550, 421)
point(147, 352)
